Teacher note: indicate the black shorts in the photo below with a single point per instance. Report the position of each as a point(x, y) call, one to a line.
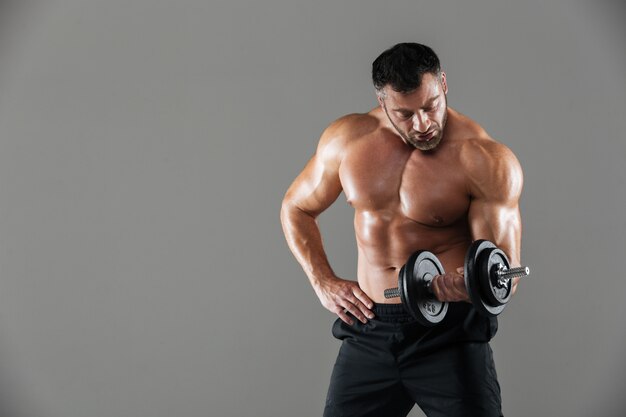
point(391, 363)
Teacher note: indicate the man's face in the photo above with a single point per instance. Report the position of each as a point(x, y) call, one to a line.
point(419, 116)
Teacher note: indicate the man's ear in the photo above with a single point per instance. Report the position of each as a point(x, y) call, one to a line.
point(380, 96)
point(444, 82)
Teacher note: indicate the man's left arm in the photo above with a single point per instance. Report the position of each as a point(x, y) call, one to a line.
point(496, 182)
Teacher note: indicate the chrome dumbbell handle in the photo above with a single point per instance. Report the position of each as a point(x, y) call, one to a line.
point(395, 292)
point(392, 292)
point(505, 274)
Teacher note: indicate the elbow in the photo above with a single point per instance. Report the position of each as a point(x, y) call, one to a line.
point(290, 211)
point(287, 210)
point(285, 207)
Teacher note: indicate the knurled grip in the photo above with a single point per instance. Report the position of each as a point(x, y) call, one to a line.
point(392, 292)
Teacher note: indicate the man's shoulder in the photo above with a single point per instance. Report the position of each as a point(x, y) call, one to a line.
point(490, 164)
point(482, 149)
point(475, 145)
point(351, 127)
point(344, 132)
point(341, 133)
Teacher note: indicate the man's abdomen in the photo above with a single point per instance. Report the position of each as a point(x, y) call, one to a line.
point(384, 245)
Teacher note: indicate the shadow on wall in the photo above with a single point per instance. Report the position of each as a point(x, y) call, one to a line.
point(613, 14)
point(14, 15)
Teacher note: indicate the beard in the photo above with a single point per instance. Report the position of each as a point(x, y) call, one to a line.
point(426, 145)
point(412, 138)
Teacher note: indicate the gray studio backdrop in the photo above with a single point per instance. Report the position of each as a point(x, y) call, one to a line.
point(145, 147)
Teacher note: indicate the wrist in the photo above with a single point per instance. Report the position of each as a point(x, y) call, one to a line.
point(318, 281)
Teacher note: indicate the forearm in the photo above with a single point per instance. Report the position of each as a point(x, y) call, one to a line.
point(509, 240)
point(503, 227)
point(510, 245)
point(305, 242)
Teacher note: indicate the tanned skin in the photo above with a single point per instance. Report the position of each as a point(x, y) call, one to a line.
point(406, 196)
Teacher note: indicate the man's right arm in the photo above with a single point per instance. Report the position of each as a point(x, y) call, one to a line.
point(312, 192)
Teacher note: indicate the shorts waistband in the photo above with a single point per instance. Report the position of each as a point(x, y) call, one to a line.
point(394, 313)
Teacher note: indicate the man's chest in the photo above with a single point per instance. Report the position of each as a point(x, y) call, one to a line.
point(428, 189)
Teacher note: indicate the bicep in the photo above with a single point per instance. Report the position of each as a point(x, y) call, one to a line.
point(498, 222)
point(494, 210)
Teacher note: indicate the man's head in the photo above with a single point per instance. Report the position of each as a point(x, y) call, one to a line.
point(412, 89)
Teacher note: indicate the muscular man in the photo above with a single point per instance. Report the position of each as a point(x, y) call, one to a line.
point(419, 175)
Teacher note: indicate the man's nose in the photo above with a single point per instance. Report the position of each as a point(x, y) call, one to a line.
point(421, 123)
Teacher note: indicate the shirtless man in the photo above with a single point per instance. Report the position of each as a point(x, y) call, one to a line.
point(419, 175)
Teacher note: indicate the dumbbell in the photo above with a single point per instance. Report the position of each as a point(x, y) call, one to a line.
point(487, 277)
point(414, 288)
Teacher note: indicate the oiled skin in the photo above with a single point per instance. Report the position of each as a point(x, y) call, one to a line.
point(404, 199)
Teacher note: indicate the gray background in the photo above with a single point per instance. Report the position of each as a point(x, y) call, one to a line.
point(145, 147)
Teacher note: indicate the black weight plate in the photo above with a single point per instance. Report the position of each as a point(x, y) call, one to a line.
point(419, 270)
point(493, 294)
point(401, 280)
point(472, 282)
point(403, 285)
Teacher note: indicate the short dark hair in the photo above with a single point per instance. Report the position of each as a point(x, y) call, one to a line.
point(402, 66)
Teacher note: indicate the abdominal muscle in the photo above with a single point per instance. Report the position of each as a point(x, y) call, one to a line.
point(384, 244)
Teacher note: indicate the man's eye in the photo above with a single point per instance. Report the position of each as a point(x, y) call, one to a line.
point(406, 116)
